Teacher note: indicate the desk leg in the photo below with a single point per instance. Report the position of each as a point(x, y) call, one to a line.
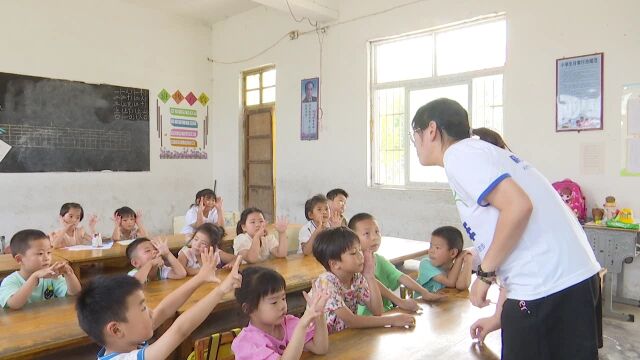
point(607, 300)
point(619, 299)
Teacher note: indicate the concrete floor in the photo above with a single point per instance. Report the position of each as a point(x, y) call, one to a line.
point(621, 339)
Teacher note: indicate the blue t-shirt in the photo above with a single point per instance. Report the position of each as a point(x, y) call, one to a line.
point(426, 274)
point(45, 290)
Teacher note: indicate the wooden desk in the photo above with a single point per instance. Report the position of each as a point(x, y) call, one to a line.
point(40, 328)
point(117, 252)
point(8, 264)
point(441, 332)
point(397, 250)
point(52, 325)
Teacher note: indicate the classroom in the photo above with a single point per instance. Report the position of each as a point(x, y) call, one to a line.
point(191, 112)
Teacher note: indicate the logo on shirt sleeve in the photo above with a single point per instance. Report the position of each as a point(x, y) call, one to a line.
point(470, 232)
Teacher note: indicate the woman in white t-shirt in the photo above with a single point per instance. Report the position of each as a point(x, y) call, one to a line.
point(206, 209)
point(526, 237)
point(253, 242)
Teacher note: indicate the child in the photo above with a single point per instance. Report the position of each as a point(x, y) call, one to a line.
point(113, 312)
point(316, 210)
point(207, 235)
point(350, 281)
point(271, 333)
point(71, 214)
point(253, 242)
point(447, 265)
point(148, 257)
point(388, 276)
point(128, 224)
point(207, 208)
point(337, 205)
point(37, 279)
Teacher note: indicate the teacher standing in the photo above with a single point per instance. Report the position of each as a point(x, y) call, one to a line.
point(527, 238)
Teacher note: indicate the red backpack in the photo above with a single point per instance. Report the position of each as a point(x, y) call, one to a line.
point(571, 194)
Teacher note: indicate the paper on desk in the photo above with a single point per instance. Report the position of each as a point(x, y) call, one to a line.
point(90, 247)
point(126, 242)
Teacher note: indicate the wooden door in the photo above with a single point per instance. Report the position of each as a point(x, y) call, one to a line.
point(259, 155)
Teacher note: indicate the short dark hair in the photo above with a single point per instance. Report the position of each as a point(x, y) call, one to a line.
point(214, 232)
point(355, 219)
point(330, 244)
point(335, 192)
point(448, 115)
point(243, 218)
point(131, 248)
point(257, 282)
point(490, 136)
point(311, 203)
point(103, 300)
point(68, 206)
point(20, 241)
point(451, 235)
point(125, 211)
point(205, 193)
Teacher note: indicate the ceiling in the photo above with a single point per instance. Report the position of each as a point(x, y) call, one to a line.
point(207, 11)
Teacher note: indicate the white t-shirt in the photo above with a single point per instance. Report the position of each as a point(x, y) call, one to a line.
point(137, 354)
point(305, 234)
point(191, 217)
point(243, 242)
point(553, 253)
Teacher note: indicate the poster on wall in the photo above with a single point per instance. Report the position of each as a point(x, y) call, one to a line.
point(182, 124)
point(579, 93)
point(309, 109)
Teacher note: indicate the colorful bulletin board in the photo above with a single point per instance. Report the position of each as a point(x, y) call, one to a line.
point(182, 124)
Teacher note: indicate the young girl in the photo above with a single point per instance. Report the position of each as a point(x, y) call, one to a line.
point(71, 214)
point(207, 235)
point(206, 209)
point(128, 224)
point(447, 265)
point(316, 210)
point(253, 242)
point(350, 281)
point(271, 333)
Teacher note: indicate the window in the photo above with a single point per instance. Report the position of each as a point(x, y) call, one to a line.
point(260, 86)
point(463, 62)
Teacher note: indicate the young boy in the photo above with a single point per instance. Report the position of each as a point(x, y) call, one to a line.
point(316, 210)
point(337, 205)
point(447, 265)
point(388, 276)
point(37, 279)
point(148, 258)
point(113, 312)
point(350, 281)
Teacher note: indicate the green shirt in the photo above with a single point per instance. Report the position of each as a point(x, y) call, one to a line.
point(389, 276)
point(426, 274)
point(45, 290)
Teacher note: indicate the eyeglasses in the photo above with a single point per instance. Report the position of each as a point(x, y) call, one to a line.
point(412, 135)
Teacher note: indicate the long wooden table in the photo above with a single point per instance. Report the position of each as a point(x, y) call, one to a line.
point(441, 332)
point(8, 264)
point(52, 325)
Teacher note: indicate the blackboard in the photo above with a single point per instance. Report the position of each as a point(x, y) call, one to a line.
point(62, 125)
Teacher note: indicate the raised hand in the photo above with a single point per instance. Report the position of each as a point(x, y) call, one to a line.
point(161, 245)
point(316, 302)
point(233, 279)
point(138, 217)
point(210, 259)
point(281, 224)
point(369, 264)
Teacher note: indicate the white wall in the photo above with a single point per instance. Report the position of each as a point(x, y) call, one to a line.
point(104, 42)
point(537, 35)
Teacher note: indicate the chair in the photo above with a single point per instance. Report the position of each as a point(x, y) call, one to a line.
point(215, 347)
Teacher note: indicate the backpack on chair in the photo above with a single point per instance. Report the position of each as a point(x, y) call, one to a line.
point(571, 194)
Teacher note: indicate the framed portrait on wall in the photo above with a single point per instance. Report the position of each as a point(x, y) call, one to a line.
point(579, 93)
point(309, 95)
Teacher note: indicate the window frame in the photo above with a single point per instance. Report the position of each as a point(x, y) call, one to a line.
point(258, 71)
point(435, 81)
